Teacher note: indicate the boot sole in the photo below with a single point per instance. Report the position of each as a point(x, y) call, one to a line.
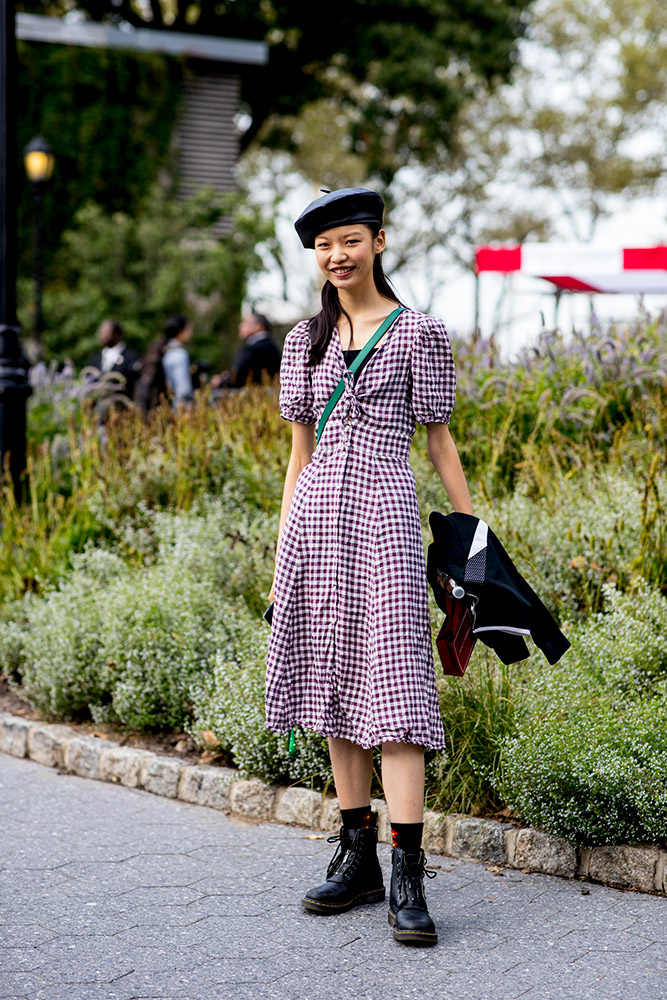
point(412, 937)
point(326, 909)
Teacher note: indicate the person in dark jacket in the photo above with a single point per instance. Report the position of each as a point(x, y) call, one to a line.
point(257, 356)
point(115, 356)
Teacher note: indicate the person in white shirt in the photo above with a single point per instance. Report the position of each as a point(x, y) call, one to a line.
point(115, 356)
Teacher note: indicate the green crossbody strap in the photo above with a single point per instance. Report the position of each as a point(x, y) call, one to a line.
point(335, 396)
point(358, 361)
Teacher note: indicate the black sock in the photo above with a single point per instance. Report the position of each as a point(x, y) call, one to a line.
point(356, 819)
point(407, 836)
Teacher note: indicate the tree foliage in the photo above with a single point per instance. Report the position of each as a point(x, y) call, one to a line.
point(140, 268)
point(587, 109)
point(577, 132)
point(400, 68)
point(108, 116)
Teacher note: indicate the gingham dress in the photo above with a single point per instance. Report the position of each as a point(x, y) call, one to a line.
point(350, 652)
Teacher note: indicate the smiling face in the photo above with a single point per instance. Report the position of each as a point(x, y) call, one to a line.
point(345, 254)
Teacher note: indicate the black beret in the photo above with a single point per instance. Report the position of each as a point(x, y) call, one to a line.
point(338, 208)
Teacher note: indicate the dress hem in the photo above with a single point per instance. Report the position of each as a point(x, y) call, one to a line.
point(387, 736)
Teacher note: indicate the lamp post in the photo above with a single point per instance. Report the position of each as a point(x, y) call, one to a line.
point(14, 387)
point(39, 161)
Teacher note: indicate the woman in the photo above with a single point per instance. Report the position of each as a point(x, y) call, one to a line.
point(176, 360)
point(350, 654)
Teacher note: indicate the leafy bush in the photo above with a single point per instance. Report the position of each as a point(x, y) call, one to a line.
point(588, 759)
point(173, 639)
point(117, 645)
point(624, 650)
point(618, 656)
point(594, 528)
point(125, 643)
point(597, 776)
point(223, 541)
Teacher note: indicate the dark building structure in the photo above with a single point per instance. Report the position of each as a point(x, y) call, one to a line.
point(206, 135)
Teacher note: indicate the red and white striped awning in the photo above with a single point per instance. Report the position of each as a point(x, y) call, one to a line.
point(580, 267)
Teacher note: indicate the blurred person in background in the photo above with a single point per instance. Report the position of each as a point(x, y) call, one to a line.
point(115, 356)
point(258, 355)
point(152, 386)
point(176, 360)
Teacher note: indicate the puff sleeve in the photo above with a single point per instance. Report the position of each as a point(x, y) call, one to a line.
point(296, 391)
point(433, 374)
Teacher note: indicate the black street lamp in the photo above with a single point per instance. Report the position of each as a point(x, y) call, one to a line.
point(14, 387)
point(39, 161)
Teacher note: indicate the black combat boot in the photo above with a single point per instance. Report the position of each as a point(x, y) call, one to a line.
point(408, 913)
point(354, 875)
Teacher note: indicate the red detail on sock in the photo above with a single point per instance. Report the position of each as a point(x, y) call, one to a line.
point(367, 821)
point(394, 837)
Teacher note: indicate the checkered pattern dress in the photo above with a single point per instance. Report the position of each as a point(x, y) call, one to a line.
point(350, 653)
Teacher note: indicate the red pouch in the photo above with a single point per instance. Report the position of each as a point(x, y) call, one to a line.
point(456, 639)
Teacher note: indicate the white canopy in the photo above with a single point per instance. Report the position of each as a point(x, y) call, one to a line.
point(582, 267)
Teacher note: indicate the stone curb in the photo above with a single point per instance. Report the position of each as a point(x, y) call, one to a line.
point(629, 866)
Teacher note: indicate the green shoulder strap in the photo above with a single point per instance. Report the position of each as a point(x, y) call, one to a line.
point(335, 396)
point(358, 361)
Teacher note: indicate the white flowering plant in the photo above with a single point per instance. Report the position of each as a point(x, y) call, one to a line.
point(124, 642)
point(596, 775)
point(588, 757)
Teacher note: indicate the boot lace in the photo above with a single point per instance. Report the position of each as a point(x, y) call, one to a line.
point(348, 857)
point(413, 880)
point(339, 856)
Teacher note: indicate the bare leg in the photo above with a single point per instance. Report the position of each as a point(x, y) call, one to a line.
point(354, 875)
point(353, 769)
point(403, 780)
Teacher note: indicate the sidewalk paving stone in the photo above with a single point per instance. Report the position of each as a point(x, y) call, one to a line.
point(109, 892)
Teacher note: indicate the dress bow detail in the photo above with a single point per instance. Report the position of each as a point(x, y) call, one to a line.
point(349, 402)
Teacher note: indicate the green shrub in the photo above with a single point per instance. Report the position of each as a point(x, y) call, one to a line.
point(116, 644)
point(619, 655)
point(597, 776)
point(625, 649)
point(588, 759)
point(223, 541)
point(125, 642)
point(55, 648)
point(593, 528)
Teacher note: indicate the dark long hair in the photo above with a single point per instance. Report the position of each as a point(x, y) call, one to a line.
point(173, 326)
point(321, 326)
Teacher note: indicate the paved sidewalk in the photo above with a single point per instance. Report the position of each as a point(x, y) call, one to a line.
point(107, 893)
